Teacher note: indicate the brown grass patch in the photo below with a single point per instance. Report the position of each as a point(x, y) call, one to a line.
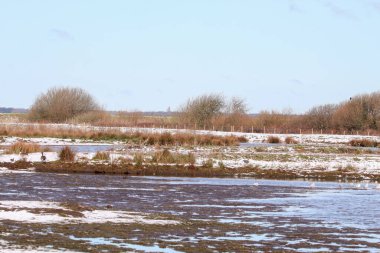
point(104, 156)
point(166, 156)
point(273, 139)
point(23, 148)
point(67, 154)
point(363, 143)
point(112, 134)
point(290, 140)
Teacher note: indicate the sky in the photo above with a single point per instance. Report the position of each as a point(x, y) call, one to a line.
point(150, 55)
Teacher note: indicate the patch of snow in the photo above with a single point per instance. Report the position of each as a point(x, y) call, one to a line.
point(21, 211)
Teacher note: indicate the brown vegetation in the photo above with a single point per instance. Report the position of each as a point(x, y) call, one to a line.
point(164, 139)
point(104, 156)
point(165, 156)
point(273, 139)
point(62, 104)
point(363, 143)
point(290, 140)
point(23, 148)
point(66, 154)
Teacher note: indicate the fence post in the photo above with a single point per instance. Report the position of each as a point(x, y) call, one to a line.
point(300, 131)
point(312, 131)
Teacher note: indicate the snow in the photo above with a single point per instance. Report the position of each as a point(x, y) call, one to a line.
point(22, 211)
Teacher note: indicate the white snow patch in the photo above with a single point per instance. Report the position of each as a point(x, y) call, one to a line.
point(21, 211)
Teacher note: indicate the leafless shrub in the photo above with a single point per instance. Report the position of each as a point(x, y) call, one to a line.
point(62, 104)
point(203, 109)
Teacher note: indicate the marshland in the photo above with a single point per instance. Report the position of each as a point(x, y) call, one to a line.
point(189, 126)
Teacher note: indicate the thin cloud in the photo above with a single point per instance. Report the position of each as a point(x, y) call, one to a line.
point(61, 34)
point(293, 7)
point(375, 5)
point(338, 11)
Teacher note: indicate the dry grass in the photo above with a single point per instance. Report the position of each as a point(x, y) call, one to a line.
point(363, 143)
point(23, 148)
point(103, 156)
point(165, 156)
point(273, 139)
point(162, 139)
point(66, 154)
point(209, 163)
point(290, 140)
point(138, 159)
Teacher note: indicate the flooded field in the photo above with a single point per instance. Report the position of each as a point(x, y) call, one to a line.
point(99, 213)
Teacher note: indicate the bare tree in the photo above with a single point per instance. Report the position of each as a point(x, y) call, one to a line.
point(60, 104)
point(320, 117)
point(236, 112)
point(203, 109)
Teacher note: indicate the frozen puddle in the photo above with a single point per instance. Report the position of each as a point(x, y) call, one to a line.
point(114, 242)
point(51, 212)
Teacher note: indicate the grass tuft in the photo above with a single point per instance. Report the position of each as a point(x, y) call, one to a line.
point(363, 143)
point(273, 139)
point(104, 156)
point(23, 148)
point(290, 140)
point(67, 154)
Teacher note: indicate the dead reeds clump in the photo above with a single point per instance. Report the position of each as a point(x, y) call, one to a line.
point(290, 140)
point(138, 159)
point(23, 148)
point(363, 143)
point(273, 139)
point(103, 156)
point(165, 156)
point(66, 154)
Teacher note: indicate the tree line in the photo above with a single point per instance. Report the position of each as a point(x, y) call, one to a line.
point(65, 104)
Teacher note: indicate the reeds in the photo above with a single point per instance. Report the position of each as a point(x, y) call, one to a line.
point(273, 139)
point(66, 154)
point(165, 156)
point(363, 143)
point(23, 148)
point(290, 140)
point(162, 139)
point(103, 156)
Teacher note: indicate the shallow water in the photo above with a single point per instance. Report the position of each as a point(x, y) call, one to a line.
point(260, 214)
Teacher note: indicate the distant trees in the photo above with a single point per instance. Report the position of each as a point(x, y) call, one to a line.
point(203, 109)
point(321, 117)
point(361, 112)
point(210, 109)
point(60, 104)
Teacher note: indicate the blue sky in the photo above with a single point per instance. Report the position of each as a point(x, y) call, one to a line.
point(150, 55)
